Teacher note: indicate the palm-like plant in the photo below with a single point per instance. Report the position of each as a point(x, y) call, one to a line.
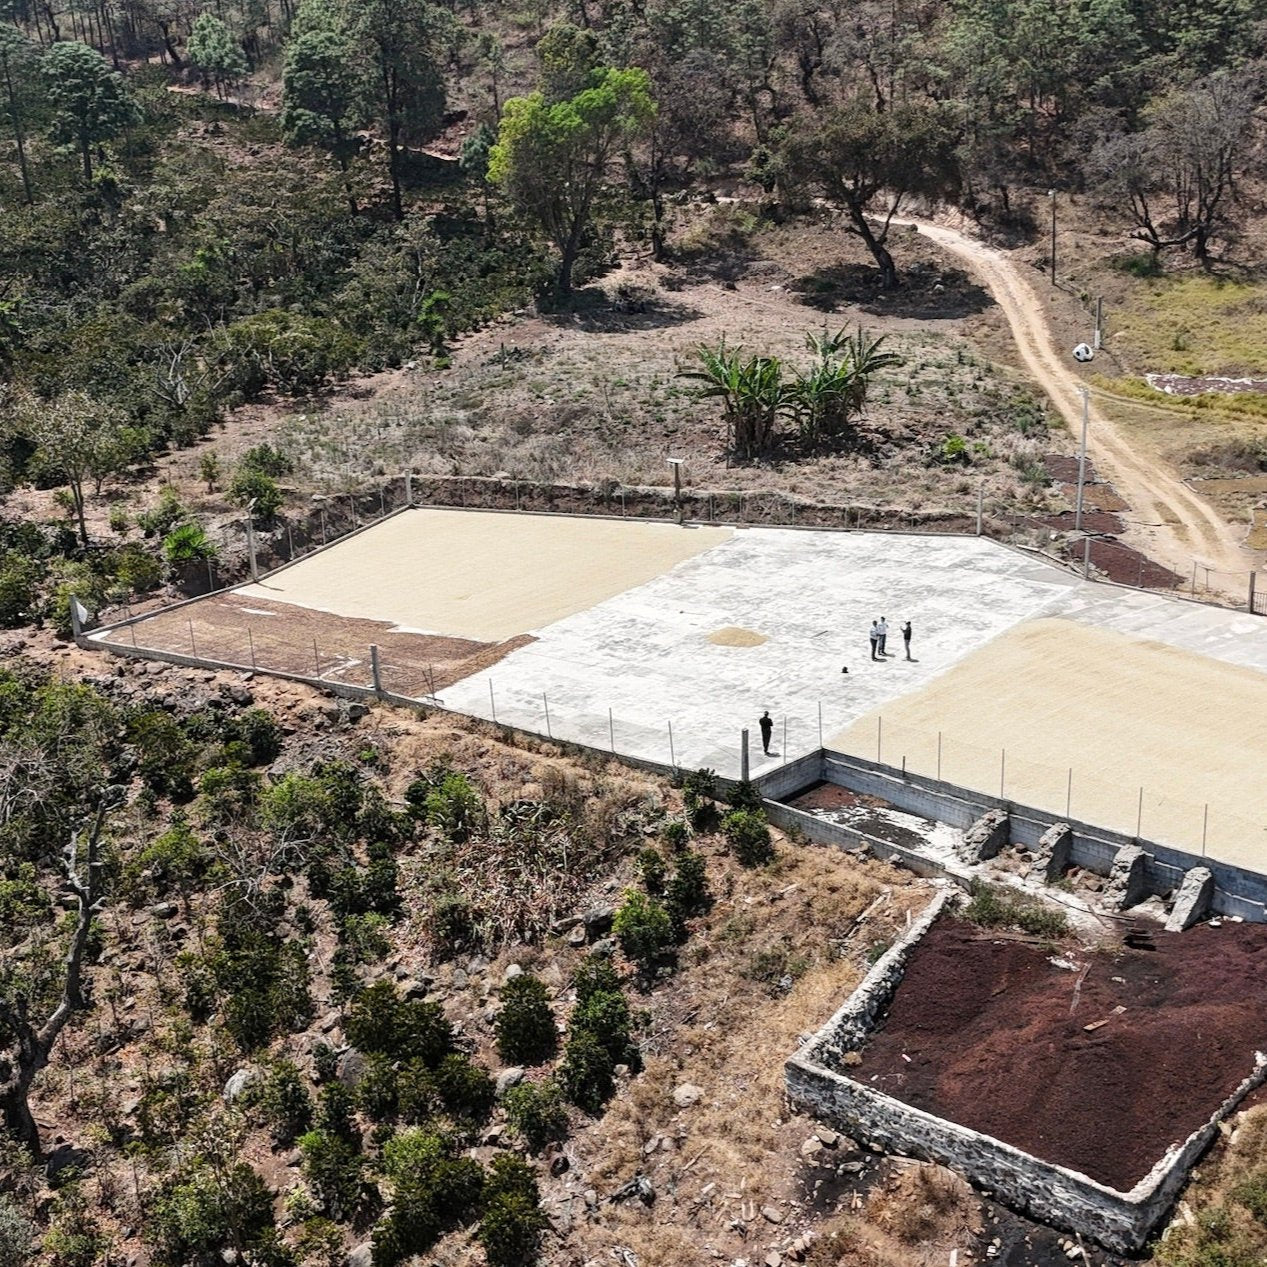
point(751, 390)
point(826, 400)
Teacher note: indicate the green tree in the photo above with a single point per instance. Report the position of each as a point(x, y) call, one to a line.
point(859, 154)
point(75, 436)
point(323, 96)
point(17, 57)
point(90, 102)
point(406, 41)
point(551, 158)
point(214, 53)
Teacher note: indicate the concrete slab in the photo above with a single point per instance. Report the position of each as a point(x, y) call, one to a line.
point(646, 654)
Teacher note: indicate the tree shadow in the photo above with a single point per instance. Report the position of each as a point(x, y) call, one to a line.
point(927, 293)
point(631, 308)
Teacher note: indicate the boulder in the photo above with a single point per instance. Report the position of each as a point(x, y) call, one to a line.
point(1192, 902)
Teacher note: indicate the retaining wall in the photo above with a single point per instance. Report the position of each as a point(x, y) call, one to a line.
point(1122, 1221)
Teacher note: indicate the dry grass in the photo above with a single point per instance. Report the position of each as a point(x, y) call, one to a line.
point(598, 394)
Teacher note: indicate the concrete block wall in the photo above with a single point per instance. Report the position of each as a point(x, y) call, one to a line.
point(816, 1082)
point(1237, 891)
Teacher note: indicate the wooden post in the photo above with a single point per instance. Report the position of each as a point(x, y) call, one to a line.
point(376, 672)
point(743, 755)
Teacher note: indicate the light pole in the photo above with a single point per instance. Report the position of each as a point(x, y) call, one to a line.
point(1051, 193)
point(320, 499)
point(1082, 456)
point(676, 464)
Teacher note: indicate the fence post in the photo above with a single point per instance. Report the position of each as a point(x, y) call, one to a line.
point(743, 755)
point(879, 735)
point(492, 703)
point(1139, 815)
point(193, 646)
point(980, 505)
point(1002, 772)
point(820, 723)
point(250, 640)
point(1194, 578)
point(1205, 822)
point(211, 577)
point(785, 739)
point(409, 489)
point(546, 702)
point(611, 730)
point(1069, 794)
point(1253, 577)
point(382, 503)
point(672, 751)
point(1086, 558)
point(316, 657)
point(376, 671)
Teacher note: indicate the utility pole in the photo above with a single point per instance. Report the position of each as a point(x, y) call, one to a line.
point(1082, 457)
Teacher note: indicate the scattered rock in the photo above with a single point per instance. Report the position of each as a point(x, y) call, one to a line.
point(812, 1147)
point(604, 948)
point(357, 711)
point(773, 1259)
point(577, 938)
point(508, 1078)
point(460, 979)
point(163, 910)
point(687, 1094)
point(598, 921)
point(351, 1068)
point(771, 1214)
point(513, 970)
point(827, 1137)
point(238, 1083)
point(559, 1164)
point(362, 1255)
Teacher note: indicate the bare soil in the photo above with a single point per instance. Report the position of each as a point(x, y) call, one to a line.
point(256, 632)
point(985, 1031)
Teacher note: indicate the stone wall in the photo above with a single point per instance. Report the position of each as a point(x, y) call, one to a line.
point(817, 1083)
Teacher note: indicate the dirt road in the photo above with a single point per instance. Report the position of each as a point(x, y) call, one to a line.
point(1170, 522)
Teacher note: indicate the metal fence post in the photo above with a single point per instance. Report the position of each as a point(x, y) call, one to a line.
point(611, 730)
point(250, 640)
point(1253, 578)
point(785, 739)
point(546, 702)
point(743, 755)
point(492, 702)
point(672, 752)
point(980, 505)
point(1205, 822)
point(376, 671)
point(820, 723)
point(193, 646)
point(316, 657)
point(879, 736)
point(1086, 558)
point(1002, 772)
point(1139, 815)
point(1069, 793)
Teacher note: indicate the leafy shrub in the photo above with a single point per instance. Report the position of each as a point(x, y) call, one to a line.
point(465, 1090)
point(16, 1234)
point(267, 460)
point(652, 869)
point(74, 1237)
point(512, 1223)
point(1251, 1192)
point(433, 1191)
point(259, 732)
point(335, 1107)
point(286, 350)
point(644, 930)
point(526, 1033)
point(535, 1110)
point(285, 1102)
point(748, 837)
point(176, 860)
point(452, 921)
point(699, 790)
point(675, 834)
point(452, 805)
point(687, 892)
point(249, 486)
point(993, 907)
point(207, 1209)
point(381, 1021)
point(587, 1072)
point(20, 581)
point(165, 756)
point(188, 543)
point(160, 519)
point(334, 1169)
point(744, 795)
point(599, 1037)
point(263, 983)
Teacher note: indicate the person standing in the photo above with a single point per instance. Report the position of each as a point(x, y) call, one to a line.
point(906, 638)
point(882, 632)
point(875, 638)
point(767, 729)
